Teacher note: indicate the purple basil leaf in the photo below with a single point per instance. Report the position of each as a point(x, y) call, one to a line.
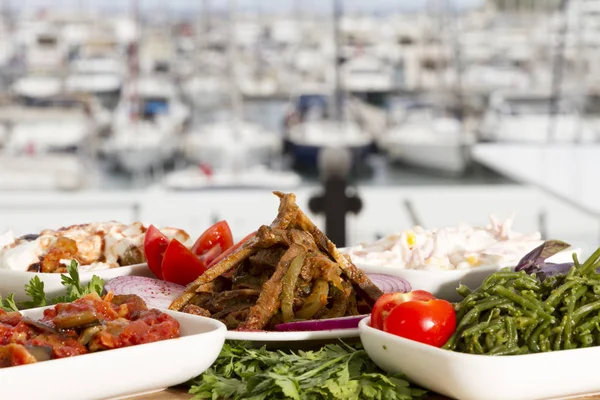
point(556, 269)
point(551, 269)
point(531, 261)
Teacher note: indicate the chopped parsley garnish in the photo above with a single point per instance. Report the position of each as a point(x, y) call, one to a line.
point(333, 372)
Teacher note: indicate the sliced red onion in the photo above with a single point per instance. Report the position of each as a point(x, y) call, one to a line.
point(390, 283)
point(155, 292)
point(350, 322)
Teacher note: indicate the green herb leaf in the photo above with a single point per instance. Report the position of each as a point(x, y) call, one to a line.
point(73, 286)
point(35, 290)
point(71, 282)
point(8, 304)
point(333, 372)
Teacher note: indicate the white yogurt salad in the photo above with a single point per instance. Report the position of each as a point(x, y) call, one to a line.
point(95, 246)
point(452, 248)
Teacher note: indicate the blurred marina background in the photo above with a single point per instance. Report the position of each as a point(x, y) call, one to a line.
point(181, 113)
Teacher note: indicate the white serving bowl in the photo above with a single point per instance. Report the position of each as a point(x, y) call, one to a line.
point(553, 375)
point(14, 281)
point(443, 283)
point(120, 372)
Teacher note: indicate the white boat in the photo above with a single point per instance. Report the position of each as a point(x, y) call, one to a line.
point(487, 78)
point(104, 86)
point(206, 91)
point(97, 71)
point(43, 118)
point(427, 137)
point(146, 124)
point(257, 85)
point(367, 74)
point(308, 138)
point(309, 126)
point(525, 117)
point(256, 177)
point(231, 144)
point(45, 48)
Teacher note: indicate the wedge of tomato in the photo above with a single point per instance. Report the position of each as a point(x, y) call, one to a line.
point(217, 235)
point(388, 301)
point(155, 245)
point(180, 265)
point(233, 248)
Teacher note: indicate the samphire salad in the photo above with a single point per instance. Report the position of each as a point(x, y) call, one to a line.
point(537, 307)
point(451, 248)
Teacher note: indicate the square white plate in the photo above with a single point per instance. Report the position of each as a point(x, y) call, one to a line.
point(120, 372)
point(14, 281)
point(553, 375)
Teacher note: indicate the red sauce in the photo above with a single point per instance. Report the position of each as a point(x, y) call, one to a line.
point(85, 325)
point(14, 354)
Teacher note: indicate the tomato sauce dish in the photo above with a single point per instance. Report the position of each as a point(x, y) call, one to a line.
point(111, 337)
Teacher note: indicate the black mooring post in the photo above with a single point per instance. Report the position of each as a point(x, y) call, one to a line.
point(334, 202)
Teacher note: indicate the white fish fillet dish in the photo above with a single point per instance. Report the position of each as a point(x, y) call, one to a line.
point(451, 248)
point(95, 246)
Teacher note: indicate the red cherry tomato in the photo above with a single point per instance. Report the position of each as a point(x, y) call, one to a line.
point(180, 265)
point(230, 250)
point(427, 321)
point(387, 302)
point(218, 234)
point(155, 245)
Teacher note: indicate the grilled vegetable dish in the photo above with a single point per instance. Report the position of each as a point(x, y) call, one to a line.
point(537, 308)
point(286, 271)
point(86, 325)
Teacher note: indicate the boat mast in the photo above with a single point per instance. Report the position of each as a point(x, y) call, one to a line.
point(337, 94)
point(557, 70)
point(134, 63)
point(236, 97)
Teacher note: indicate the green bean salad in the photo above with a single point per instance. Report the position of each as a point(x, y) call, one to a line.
point(517, 313)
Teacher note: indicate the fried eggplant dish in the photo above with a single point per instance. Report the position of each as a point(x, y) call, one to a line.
point(286, 271)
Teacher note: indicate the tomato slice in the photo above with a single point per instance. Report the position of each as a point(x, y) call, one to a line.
point(180, 265)
point(210, 255)
point(431, 321)
point(155, 245)
point(230, 250)
point(388, 301)
point(218, 234)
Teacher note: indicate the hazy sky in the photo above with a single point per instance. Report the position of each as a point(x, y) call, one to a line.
point(270, 5)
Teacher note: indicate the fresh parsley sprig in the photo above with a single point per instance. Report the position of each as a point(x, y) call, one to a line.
point(8, 304)
point(72, 284)
point(333, 372)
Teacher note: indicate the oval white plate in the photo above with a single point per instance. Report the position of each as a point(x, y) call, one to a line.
point(443, 283)
point(300, 336)
point(557, 374)
point(121, 372)
point(15, 281)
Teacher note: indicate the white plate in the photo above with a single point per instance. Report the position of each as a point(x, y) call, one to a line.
point(15, 281)
point(554, 375)
point(120, 372)
point(443, 283)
